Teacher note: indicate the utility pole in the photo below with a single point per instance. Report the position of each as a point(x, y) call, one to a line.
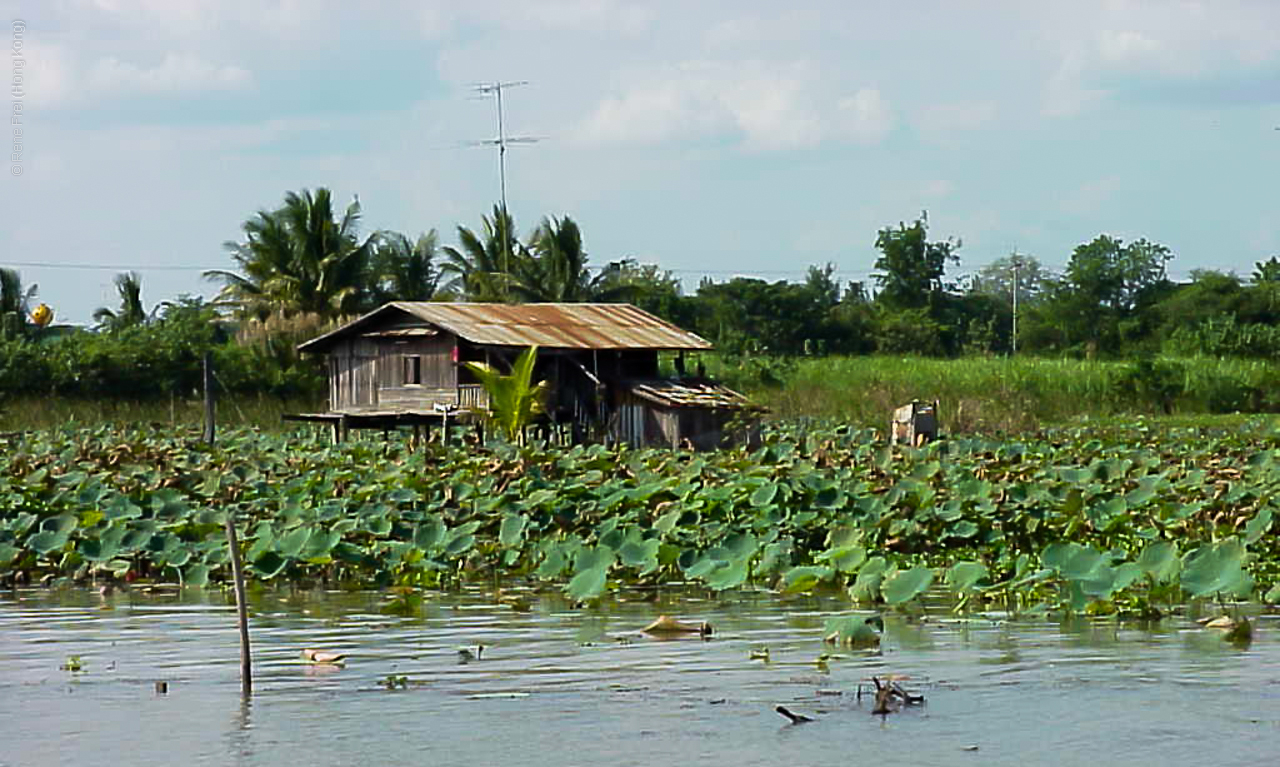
point(1016, 262)
point(495, 89)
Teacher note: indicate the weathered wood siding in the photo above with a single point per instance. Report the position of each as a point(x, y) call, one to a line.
point(641, 424)
point(352, 371)
point(439, 375)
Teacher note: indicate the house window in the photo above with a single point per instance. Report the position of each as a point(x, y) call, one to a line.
point(412, 369)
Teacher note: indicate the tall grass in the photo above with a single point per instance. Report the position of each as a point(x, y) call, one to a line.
point(263, 412)
point(1014, 394)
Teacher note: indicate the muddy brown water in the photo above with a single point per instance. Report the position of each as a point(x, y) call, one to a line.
point(561, 686)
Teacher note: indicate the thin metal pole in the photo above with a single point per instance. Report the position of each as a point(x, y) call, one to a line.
point(496, 88)
point(502, 150)
point(1014, 339)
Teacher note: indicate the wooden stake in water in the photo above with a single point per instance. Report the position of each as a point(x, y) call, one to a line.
point(210, 406)
point(242, 609)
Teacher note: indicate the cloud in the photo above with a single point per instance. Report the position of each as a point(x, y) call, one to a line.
point(50, 73)
point(938, 188)
point(1091, 196)
point(766, 106)
point(176, 73)
point(864, 117)
point(1125, 46)
point(941, 119)
point(1187, 53)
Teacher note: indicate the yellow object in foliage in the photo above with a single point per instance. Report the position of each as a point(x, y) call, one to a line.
point(42, 315)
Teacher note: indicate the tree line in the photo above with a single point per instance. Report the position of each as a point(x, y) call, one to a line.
point(304, 266)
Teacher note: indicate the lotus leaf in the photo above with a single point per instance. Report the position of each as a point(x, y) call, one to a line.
point(963, 529)
point(1272, 596)
point(512, 531)
point(430, 533)
point(764, 494)
point(376, 524)
point(21, 523)
point(866, 588)
point(459, 544)
point(668, 521)
point(1255, 528)
point(799, 579)
point(556, 558)
point(1216, 568)
point(640, 554)
point(1126, 574)
point(591, 566)
point(776, 556)
point(169, 504)
point(965, 576)
point(269, 565)
point(906, 585)
point(729, 575)
point(845, 559)
point(292, 543)
point(105, 546)
point(853, 630)
point(196, 575)
point(1160, 561)
point(699, 564)
point(47, 541)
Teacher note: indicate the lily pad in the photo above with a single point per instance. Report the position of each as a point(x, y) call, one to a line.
point(907, 585)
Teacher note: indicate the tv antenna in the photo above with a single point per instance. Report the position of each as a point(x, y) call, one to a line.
point(495, 89)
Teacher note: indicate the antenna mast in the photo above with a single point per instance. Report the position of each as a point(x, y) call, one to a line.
point(496, 88)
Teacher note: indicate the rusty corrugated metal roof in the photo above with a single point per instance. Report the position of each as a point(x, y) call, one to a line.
point(690, 393)
point(552, 326)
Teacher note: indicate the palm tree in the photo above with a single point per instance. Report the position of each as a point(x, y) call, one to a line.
point(299, 259)
point(405, 270)
point(15, 303)
point(558, 271)
point(131, 311)
point(484, 266)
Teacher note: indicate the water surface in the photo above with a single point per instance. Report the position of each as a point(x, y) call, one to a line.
point(562, 686)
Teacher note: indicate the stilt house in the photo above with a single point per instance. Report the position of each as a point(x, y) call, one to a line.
point(403, 362)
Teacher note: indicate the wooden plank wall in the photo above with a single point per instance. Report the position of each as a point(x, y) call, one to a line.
point(439, 374)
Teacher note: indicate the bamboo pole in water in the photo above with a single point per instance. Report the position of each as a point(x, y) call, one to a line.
point(210, 407)
point(242, 609)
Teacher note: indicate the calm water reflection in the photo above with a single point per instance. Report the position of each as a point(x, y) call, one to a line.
point(559, 686)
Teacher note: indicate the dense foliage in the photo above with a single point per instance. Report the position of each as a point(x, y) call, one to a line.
point(156, 358)
point(1073, 520)
point(306, 266)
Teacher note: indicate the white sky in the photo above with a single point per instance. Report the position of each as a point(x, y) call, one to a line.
point(708, 137)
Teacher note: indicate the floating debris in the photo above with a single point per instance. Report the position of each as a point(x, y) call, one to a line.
point(324, 656)
point(665, 624)
point(890, 697)
point(793, 716)
point(1235, 631)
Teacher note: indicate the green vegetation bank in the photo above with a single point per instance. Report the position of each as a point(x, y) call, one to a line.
point(1128, 520)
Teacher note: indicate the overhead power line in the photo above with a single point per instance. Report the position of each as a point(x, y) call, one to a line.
point(112, 267)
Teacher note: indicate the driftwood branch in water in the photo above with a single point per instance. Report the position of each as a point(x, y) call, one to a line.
point(793, 716)
point(890, 697)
